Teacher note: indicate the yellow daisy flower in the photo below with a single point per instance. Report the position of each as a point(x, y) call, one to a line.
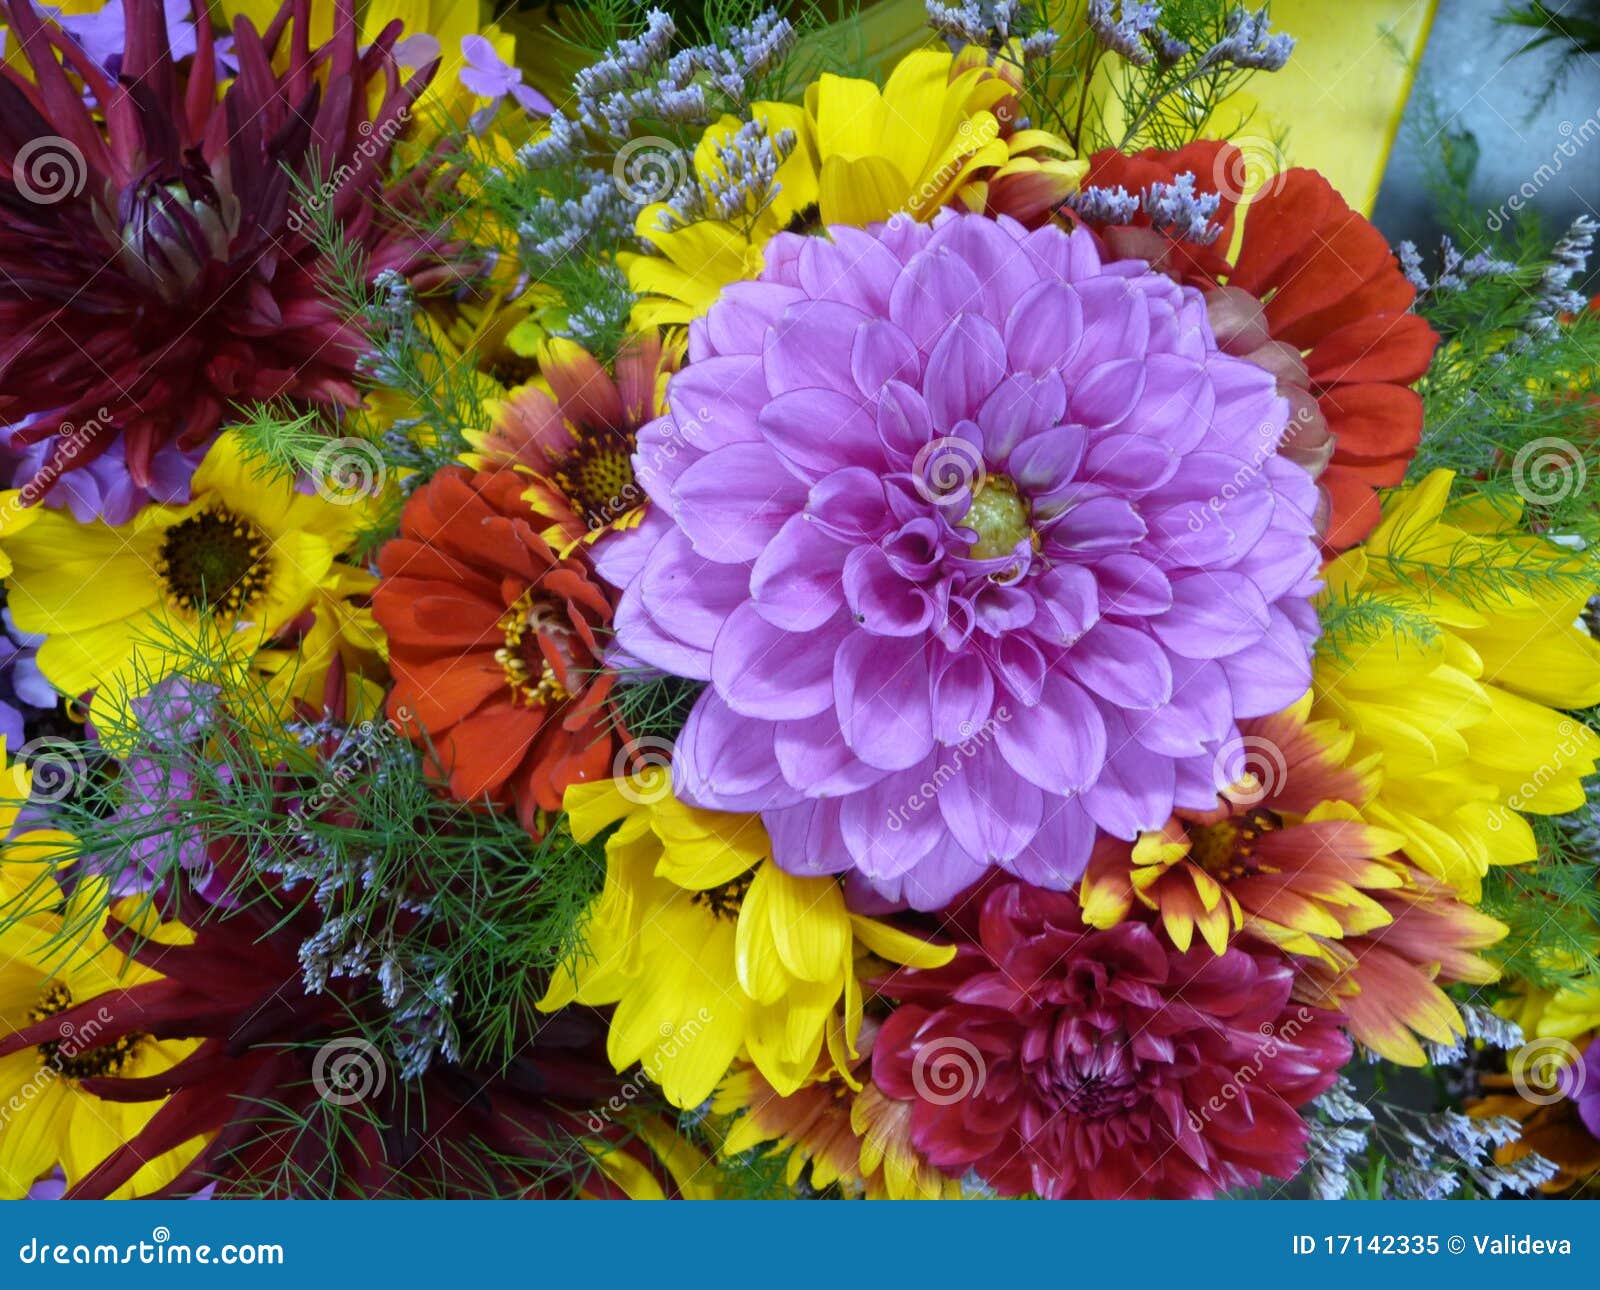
point(709, 950)
point(233, 569)
point(53, 956)
point(937, 133)
point(1465, 716)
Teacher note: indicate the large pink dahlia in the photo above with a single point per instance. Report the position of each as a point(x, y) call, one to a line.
point(1079, 1064)
point(980, 543)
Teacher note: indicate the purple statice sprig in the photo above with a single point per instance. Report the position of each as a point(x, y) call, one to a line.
point(740, 184)
point(1131, 29)
point(1248, 42)
point(642, 79)
point(992, 25)
point(1176, 208)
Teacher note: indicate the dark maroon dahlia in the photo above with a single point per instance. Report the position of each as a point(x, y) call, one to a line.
point(156, 258)
point(1055, 1059)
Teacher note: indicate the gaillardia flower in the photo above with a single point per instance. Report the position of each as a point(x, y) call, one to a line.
point(709, 950)
point(932, 513)
point(161, 265)
point(1462, 700)
point(1286, 858)
point(1052, 1058)
point(574, 427)
point(1282, 852)
point(837, 1131)
point(1310, 291)
point(494, 646)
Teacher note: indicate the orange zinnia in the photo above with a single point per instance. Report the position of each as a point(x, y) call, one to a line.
point(1313, 295)
point(493, 644)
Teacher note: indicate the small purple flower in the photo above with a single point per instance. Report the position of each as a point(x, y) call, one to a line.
point(981, 544)
point(1588, 1090)
point(24, 693)
point(104, 489)
point(156, 792)
point(489, 76)
point(103, 34)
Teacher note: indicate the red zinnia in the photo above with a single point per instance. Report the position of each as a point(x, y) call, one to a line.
point(493, 644)
point(1081, 1064)
point(1313, 295)
point(180, 276)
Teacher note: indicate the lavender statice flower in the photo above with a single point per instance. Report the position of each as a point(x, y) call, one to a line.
point(1178, 209)
point(749, 54)
point(1457, 271)
point(558, 227)
point(739, 185)
point(1479, 1023)
point(1130, 33)
point(1115, 206)
point(1554, 295)
point(637, 79)
point(990, 24)
point(1339, 1137)
point(1248, 42)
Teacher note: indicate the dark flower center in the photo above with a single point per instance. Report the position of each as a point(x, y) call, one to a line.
point(1101, 1076)
point(1227, 850)
point(597, 475)
point(528, 670)
point(67, 1055)
point(807, 221)
point(999, 516)
point(724, 901)
point(215, 561)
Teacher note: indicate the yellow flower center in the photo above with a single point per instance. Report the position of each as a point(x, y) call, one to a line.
point(528, 672)
point(215, 561)
point(70, 1055)
point(999, 516)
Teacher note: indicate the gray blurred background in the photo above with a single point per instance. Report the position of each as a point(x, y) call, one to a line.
point(1473, 83)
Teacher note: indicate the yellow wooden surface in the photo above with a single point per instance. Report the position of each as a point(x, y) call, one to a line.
point(1337, 106)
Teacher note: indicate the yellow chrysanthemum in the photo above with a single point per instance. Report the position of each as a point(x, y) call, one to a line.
point(122, 607)
point(934, 135)
point(709, 950)
point(54, 955)
point(1465, 712)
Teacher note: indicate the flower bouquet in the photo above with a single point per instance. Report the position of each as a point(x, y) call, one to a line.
point(737, 604)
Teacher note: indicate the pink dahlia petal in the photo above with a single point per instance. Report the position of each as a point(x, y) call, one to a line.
point(964, 513)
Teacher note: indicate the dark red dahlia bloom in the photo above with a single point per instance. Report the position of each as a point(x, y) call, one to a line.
point(1313, 294)
point(1077, 1064)
point(178, 277)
